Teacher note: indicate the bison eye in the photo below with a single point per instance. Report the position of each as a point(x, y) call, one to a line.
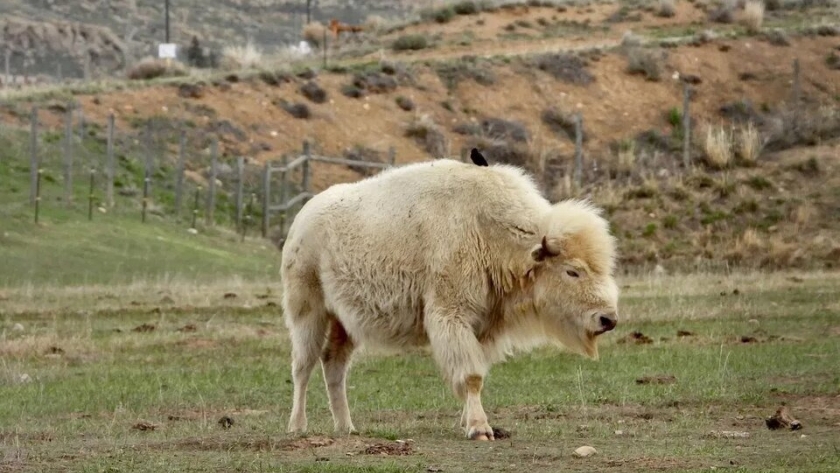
point(572, 273)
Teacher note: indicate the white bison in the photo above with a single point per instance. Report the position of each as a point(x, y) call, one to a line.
point(470, 260)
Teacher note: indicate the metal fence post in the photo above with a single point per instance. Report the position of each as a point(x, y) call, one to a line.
point(68, 155)
point(211, 188)
point(33, 156)
point(179, 173)
point(578, 149)
point(686, 119)
point(240, 175)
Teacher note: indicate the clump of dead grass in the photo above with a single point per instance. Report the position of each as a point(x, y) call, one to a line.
point(428, 135)
point(717, 147)
point(666, 9)
point(645, 62)
point(749, 144)
point(247, 56)
point(313, 33)
point(153, 68)
point(753, 15)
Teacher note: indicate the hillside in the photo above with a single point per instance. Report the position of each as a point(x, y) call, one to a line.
point(509, 80)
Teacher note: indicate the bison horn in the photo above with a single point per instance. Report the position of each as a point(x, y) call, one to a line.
point(542, 251)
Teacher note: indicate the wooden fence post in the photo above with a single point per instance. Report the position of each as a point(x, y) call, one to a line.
point(33, 156)
point(392, 155)
point(148, 174)
point(578, 149)
point(284, 194)
point(211, 188)
point(8, 69)
point(797, 92)
point(240, 176)
point(179, 172)
point(304, 185)
point(195, 206)
point(109, 186)
point(266, 197)
point(686, 122)
point(37, 193)
point(68, 155)
point(325, 48)
point(90, 195)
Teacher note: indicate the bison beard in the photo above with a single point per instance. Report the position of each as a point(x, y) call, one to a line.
point(474, 263)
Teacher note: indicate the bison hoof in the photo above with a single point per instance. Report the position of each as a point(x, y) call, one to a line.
point(484, 433)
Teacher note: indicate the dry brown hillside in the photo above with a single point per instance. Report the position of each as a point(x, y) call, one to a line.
point(509, 81)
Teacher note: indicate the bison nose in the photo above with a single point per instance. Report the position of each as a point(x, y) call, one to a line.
point(608, 322)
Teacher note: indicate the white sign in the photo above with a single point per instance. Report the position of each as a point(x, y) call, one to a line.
point(167, 51)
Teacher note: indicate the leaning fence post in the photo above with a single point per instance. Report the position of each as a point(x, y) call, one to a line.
point(266, 196)
point(240, 174)
point(179, 173)
point(578, 149)
point(686, 122)
point(211, 188)
point(33, 157)
point(68, 155)
point(109, 189)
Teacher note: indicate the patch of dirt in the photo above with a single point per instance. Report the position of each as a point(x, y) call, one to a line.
point(396, 448)
point(659, 379)
point(144, 426)
point(636, 337)
point(144, 328)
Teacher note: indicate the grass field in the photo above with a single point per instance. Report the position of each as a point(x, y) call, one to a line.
point(137, 377)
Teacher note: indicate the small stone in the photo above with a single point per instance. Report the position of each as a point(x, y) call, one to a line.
point(585, 451)
point(619, 432)
point(17, 328)
point(24, 378)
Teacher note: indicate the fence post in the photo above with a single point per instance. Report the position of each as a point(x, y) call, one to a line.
point(211, 188)
point(179, 173)
point(248, 211)
point(109, 186)
point(796, 93)
point(304, 185)
point(90, 195)
point(37, 193)
point(240, 175)
point(325, 48)
point(284, 195)
point(686, 122)
point(392, 155)
point(148, 173)
point(8, 69)
point(68, 155)
point(195, 206)
point(578, 149)
point(34, 166)
point(266, 195)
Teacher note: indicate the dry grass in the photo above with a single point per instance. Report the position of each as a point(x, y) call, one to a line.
point(717, 147)
point(804, 214)
point(236, 58)
point(313, 33)
point(750, 143)
point(753, 15)
point(666, 9)
point(626, 158)
point(428, 135)
point(153, 68)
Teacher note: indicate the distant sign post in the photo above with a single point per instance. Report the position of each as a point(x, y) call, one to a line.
point(167, 51)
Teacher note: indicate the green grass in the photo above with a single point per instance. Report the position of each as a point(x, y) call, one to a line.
point(93, 378)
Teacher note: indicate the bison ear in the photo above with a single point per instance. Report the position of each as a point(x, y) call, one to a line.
point(545, 250)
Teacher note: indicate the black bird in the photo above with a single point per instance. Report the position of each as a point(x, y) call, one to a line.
point(477, 158)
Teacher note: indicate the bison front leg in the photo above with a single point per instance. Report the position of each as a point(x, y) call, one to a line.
point(461, 358)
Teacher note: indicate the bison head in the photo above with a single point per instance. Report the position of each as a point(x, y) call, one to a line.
point(574, 291)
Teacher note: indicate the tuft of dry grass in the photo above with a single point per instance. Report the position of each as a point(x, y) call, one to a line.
point(717, 147)
point(753, 15)
point(428, 135)
point(236, 58)
point(666, 9)
point(313, 33)
point(153, 68)
point(804, 214)
point(749, 144)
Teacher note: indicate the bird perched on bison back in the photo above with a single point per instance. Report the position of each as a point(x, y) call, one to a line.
point(477, 158)
point(474, 263)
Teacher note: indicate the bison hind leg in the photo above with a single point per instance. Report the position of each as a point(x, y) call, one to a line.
point(307, 320)
point(335, 361)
